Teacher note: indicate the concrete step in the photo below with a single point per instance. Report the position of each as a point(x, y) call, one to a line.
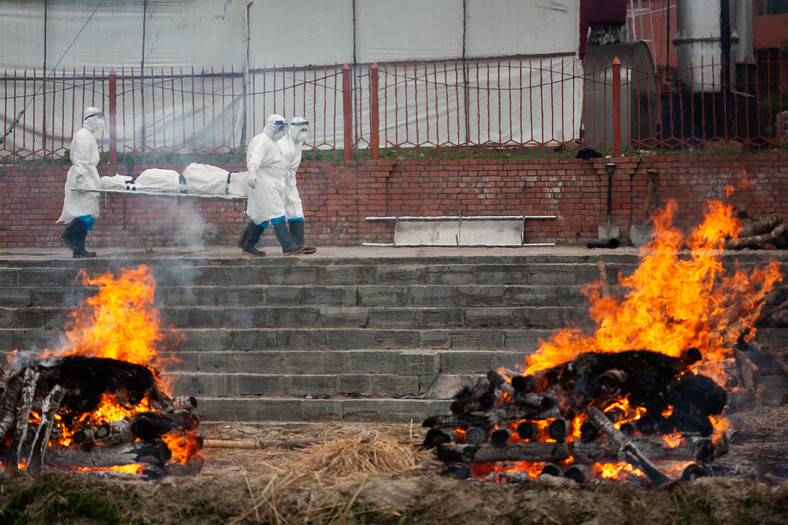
point(288, 409)
point(421, 273)
point(198, 339)
point(363, 295)
point(326, 317)
point(303, 339)
point(415, 361)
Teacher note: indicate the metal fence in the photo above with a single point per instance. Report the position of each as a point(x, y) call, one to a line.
point(502, 107)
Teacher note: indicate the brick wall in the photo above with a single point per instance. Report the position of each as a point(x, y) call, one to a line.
point(338, 198)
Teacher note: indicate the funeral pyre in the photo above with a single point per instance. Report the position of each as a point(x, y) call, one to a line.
point(639, 393)
point(98, 402)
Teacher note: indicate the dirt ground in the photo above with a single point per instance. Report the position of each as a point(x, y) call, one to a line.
point(377, 473)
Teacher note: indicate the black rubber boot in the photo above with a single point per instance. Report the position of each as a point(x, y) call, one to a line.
point(250, 237)
point(245, 235)
point(285, 239)
point(297, 233)
point(80, 251)
point(69, 237)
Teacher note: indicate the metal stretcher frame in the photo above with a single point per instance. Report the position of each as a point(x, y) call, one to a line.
point(210, 196)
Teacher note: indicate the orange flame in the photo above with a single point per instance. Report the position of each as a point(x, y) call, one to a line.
point(677, 299)
point(120, 321)
point(673, 301)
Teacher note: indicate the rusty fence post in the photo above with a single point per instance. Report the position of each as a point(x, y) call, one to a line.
point(347, 112)
point(374, 116)
point(113, 105)
point(616, 107)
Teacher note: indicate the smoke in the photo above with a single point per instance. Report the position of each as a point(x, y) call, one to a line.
point(183, 224)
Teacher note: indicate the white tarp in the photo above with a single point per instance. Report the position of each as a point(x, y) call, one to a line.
point(211, 33)
point(312, 38)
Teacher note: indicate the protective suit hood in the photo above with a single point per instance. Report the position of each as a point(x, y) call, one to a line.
point(94, 120)
point(275, 126)
point(299, 130)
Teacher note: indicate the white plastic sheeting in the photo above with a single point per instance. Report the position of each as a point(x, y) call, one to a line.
point(214, 33)
point(183, 114)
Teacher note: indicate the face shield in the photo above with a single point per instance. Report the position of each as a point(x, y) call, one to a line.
point(94, 120)
point(299, 129)
point(275, 127)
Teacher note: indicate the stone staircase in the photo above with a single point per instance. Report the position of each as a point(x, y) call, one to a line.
point(304, 339)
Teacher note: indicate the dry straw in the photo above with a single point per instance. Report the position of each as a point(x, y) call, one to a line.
point(351, 456)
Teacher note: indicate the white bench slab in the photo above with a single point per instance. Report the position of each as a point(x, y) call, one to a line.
point(484, 230)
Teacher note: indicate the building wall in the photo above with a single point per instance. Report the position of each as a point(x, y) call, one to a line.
point(338, 198)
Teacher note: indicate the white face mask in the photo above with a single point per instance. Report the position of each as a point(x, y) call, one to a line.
point(299, 133)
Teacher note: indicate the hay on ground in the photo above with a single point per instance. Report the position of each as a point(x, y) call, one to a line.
point(351, 456)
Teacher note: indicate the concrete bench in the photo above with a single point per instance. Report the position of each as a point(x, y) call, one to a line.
point(483, 230)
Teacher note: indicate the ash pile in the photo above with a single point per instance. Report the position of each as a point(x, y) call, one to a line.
point(97, 415)
point(641, 408)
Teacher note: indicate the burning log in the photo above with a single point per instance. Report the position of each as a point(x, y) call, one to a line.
point(656, 392)
point(38, 450)
point(579, 473)
point(500, 437)
point(629, 451)
point(759, 233)
point(605, 449)
point(551, 469)
point(527, 430)
point(475, 435)
point(774, 311)
point(436, 437)
point(155, 453)
point(57, 397)
point(538, 451)
point(523, 396)
point(481, 398)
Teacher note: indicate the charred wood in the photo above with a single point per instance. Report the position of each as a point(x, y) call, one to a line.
point(606, 448)
point(460, 420)
point(756, 241)
point(483, 397)
point(628, 451)
point(551, 469)
point(26, 400)
point(760, 226)
point(436, 437)
point(525, 384)
point(557, 429)
point(534, 401)
point(535, 452)
point(475, 435)
point(155, 453)
point(192, 466)
point(579, 473)
point(8, 402)
point(500, 437)
point(694, 471)
point(527, 430)
point(38, 450)
point(184, 403)
point(516, 411)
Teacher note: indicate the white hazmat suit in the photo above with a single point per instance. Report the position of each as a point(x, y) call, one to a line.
point(266, 174)
point(291, 145)
point(81, 208)
point(266, 196)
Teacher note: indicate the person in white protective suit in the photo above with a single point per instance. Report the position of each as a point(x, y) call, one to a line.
point(81, 208)
point(266, 203)
point(291, 146)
